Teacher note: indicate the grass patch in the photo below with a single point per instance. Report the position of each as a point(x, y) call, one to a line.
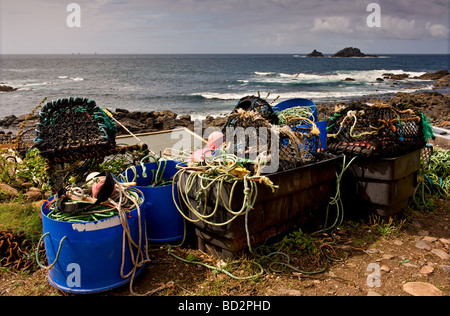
point(21, 217)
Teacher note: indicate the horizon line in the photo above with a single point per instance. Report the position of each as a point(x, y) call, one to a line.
point(197, 53)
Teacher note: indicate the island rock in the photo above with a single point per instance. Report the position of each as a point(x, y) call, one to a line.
point(315, 53)
point(351, 52)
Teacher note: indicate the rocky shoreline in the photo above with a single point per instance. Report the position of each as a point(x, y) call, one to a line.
point(435, 105)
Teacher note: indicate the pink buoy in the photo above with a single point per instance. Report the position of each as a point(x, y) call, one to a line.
point(215, 140)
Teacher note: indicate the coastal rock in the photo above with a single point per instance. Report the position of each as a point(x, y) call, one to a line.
point(433, 104)
point(433, 75)
point(34, 194)
point(215, 122)
point(427, 270)
point(185, 118)
point(152, 121)
point(421, 289)
point(4, 88)
point(443, 82)
point(441, 254)
point(395, 76)
point(131, 124)
point(315, 53)
point(423, 245)
point(351, 52)
point(8, 190)
point(8, 120)
point(168, 114)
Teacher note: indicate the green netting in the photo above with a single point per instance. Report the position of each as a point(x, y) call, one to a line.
point(73, 126)
point(378, 130)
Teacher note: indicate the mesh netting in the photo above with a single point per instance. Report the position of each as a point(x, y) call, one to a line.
point(297, 141)
point(75, 136)
point(73, 126)
point(256, 104)
point(375, 131)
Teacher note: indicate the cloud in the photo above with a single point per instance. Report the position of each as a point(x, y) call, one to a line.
point(438, 30)
point(393, 27)
point(153, 26)
point(333, 24)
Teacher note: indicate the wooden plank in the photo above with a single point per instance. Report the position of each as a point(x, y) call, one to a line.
point(179, 139)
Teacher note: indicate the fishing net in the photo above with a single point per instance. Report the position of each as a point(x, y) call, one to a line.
point(258, 105)
point(295, 143)
point(379, 130)
point(74, 135)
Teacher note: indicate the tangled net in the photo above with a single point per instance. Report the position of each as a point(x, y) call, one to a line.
point(379, 130)
point(295, 143)
point(258, 105)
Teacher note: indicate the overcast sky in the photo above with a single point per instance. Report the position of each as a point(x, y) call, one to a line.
point(223, 26)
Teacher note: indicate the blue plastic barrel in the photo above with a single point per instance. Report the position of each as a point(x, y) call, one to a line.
point(164, 222)
point(291, 103)
point(90, 257)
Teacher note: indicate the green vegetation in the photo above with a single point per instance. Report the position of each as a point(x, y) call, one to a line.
point(21, 218)
point(434, 179)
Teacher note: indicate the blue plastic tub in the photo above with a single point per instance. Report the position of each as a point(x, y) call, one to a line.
point(322, 126)
point(291, 103)
point(312, 146)
point(90, 258)
point(165, 224)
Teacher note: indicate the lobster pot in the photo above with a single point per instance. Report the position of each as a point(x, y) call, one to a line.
point(90, 257)
point(164, 222)
point(377, 131)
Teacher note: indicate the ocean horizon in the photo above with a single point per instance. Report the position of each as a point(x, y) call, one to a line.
point(205, 84)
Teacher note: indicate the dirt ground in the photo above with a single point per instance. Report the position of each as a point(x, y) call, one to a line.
point(398, 258)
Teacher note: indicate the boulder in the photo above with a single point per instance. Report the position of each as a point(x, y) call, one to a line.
point(8, 120)
point(433, 104)
point(433, 75)
point(351, 52)
point(443, 82)
point(8, 190)
point(34, 194)
point(395, 76)
point(315, 53)
point(4, 88)
point(421, 289)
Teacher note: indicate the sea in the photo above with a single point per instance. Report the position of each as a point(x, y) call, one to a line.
point(201, 85)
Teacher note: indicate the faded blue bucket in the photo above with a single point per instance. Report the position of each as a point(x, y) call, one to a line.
point(165, 224)
point(312, 146)
point(291, 103)
point(322, 126)
point(90, 254)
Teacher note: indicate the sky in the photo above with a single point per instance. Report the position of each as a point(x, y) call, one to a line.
point(224, 26)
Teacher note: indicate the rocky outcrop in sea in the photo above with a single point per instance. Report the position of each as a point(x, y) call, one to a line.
point(315, 53)
point(351, 52)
